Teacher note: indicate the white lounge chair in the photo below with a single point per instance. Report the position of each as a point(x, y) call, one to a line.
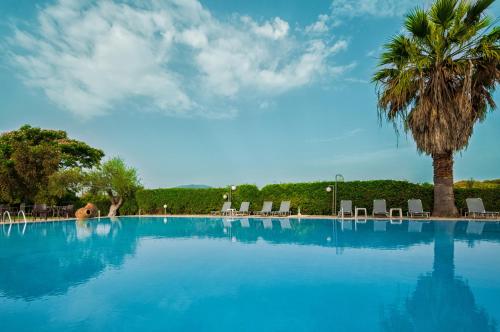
point(379, 208)
point(225, 209)
point(415, 209)
point(284, 209)
point(475, 207)
point(244, 209)
point(345, 208)
point(267, 208)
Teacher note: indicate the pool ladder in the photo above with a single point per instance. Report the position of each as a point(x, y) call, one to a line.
point(7, 214)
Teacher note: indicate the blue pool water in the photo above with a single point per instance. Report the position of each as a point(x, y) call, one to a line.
point(182, 274)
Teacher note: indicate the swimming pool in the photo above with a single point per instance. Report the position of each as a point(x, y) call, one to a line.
point(197, 274)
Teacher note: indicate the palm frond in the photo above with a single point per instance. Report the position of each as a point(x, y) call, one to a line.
point(417, 23)
point(442, 12)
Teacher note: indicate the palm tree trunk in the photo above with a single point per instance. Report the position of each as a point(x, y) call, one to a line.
point(444, 198)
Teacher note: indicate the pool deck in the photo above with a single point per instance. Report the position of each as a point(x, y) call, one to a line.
point(31, 221)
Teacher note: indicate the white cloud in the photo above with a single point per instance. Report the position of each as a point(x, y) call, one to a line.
point(320, 26)
point(89, 57)
point(378, 8)
point(275, 29)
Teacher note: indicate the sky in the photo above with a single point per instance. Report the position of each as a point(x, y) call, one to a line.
point(219, 92)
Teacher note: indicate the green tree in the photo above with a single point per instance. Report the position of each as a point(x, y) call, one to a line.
point(114, 179)
point(30, 156)
point(437, 80)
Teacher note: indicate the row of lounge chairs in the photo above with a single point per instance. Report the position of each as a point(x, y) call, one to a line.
point(267, 209)
point(475, 208)
point(415, 208)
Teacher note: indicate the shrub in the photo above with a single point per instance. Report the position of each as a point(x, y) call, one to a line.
point(312, 198)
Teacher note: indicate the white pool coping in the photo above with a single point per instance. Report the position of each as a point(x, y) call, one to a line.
point(205, 216)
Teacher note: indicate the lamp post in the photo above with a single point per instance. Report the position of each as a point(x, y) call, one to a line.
point(330, 189)
point(338, 178)
point(333, 190)
point(231, 189)
point(165, 208)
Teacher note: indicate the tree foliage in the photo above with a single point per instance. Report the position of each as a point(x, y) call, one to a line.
point(30, 159)
point(437, 77)
point(114, 179)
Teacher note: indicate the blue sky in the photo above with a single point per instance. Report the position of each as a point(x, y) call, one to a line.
point(218, 92)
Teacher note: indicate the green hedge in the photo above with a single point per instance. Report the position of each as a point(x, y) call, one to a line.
point(311, 198)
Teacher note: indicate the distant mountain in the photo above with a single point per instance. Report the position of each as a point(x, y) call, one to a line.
point(194, 186)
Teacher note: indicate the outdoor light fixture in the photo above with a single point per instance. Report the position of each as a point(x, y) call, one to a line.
point(333, 188)
point(165, 208)
point(231, 189)
point(224, 196)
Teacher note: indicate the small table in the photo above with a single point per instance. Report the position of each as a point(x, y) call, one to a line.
point(357, 210)
point(400, 210)
point(231, 212)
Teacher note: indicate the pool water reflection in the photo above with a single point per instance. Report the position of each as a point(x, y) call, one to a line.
point(196, 274)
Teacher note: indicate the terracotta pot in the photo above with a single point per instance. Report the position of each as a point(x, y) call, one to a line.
point(88, 211)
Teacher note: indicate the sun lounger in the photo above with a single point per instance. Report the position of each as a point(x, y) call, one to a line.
point(345, 208)
point(244, 209)
point(284, 209)
point(225, 209)
point(415, 209)
point(379, 208)
point(267, 208)
point(476, 208)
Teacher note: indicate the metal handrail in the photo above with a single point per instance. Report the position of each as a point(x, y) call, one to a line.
point(24, 216)
point(8, 214)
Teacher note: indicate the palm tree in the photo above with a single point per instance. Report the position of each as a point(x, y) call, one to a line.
point(436, 79)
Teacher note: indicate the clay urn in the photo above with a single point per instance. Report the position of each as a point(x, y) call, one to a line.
point(88, 211)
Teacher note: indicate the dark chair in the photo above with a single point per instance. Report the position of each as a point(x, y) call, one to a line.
point(67, 210)
point(40, 210)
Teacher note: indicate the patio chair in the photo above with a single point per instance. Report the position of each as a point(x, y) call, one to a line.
point(40, 210)
point(67, 210)
point(345, 208)
point(244, 209)
point(415, 209)
point(267, 208)
point(225, 209)
point(475, 208)
point(379, 208)
point(284, 209)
